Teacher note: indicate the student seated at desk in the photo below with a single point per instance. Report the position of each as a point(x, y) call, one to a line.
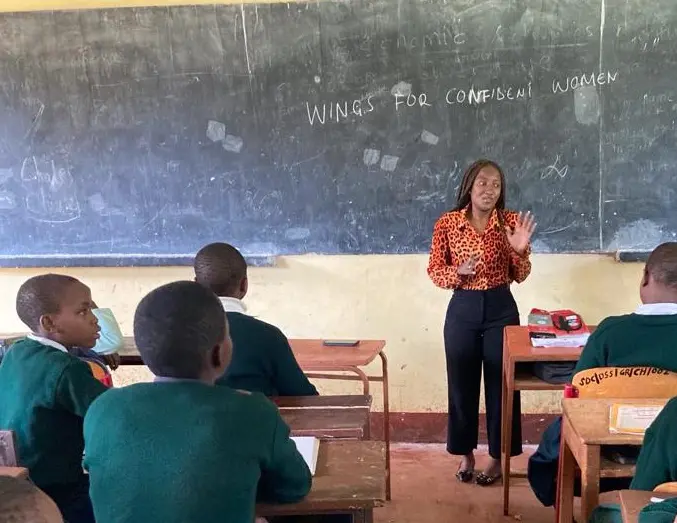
point(45, 391)
point(657, 464)
point(23, 502)
point(262, 361)
point(181, 449)
point(645, 338)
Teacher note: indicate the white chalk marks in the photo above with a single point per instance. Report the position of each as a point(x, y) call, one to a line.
point(401, 89)
point(216, 132)
point(586, 105)
point(7, 198)
point(555, 169)
point(371, 156)
point(571, 83)
point(233, 143)
point(51, 194)
point(389, 162)
point(429, 138)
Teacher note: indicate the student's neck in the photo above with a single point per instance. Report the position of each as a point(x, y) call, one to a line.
point(50, 337)
point(667, 297)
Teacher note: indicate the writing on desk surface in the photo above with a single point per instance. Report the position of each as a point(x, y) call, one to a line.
point(402, 97)
point(627, 372)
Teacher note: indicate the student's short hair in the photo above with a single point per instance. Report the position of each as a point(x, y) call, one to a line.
point(20, 502)
point(662, 264)
point(221, 267)
point(175, 327)
point(41, 295)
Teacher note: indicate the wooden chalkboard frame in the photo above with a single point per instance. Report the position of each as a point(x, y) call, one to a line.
point(111, 261)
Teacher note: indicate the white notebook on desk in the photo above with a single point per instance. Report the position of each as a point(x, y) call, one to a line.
point(308, 447)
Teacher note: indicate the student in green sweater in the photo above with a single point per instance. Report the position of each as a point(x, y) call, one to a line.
point(262, 361)
point(647, 337)
point(657, 462)
point(181, 450)
point(45, 391)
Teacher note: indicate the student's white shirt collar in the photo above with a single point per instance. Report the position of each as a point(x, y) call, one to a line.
point(233, 305)
point(49, 343)
point(657, 309)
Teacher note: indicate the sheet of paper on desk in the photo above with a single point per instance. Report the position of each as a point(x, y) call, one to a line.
point(308, 447)
point(632, 419)
point(577, 340)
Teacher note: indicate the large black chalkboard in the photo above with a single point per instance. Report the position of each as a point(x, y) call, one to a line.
point(138, 135)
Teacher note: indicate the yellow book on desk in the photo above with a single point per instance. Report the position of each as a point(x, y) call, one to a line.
point(308, 447)
point(632, 419)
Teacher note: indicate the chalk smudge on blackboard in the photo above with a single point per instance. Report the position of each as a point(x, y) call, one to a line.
point(371, 156)
point(401, 89)
point(216, 131)
point(233, 143)
point(389, 163)
point(429, 138)
point(586, 105)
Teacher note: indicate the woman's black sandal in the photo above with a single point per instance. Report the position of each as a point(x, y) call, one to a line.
point(464, 476)
point(483, 480)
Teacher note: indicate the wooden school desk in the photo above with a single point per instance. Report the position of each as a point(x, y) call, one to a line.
point(350, 478)
point(517, 349)
point(14, 472)
point(327, 417)
point(633, 501)
point(585, 429)
point(350, 413)
point(322, 362)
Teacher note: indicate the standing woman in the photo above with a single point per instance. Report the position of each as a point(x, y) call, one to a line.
point(478, 250)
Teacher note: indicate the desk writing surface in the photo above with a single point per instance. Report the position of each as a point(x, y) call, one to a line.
point(517, 342)
point(633, 501)
point(590, 419)
point(325, 422)
point(350, 475)
point(346, 401)
point(14, 472)
point(311, 354)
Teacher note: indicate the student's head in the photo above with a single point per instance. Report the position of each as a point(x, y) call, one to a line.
point(483, 186)
point(181, 331)
point(59, 308)
point(223, 269)
point(659, 282)
point(23, 502)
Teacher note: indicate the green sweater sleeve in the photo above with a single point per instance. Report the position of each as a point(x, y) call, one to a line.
point(286, 477)
point(289, 378)
point(77, 388)
point(657, 462)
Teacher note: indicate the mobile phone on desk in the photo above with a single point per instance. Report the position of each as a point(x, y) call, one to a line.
point(340, 343)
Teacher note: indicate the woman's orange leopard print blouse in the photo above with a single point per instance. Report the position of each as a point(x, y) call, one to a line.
point(455, 240)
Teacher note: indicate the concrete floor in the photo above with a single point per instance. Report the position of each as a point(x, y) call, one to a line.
point(426, 491)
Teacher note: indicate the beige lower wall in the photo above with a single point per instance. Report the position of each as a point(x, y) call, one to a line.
point(386, 297)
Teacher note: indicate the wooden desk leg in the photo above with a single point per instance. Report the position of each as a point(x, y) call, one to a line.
point(508, 394)
point(565, 481)
point(590, 480)
point(386, 419)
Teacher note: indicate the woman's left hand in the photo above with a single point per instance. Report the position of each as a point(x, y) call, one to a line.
point(519, 237)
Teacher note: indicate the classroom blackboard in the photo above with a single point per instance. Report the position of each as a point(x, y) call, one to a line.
point(132, 136)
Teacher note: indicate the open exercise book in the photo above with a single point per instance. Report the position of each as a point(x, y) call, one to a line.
point(309, 447)
point(632, 419)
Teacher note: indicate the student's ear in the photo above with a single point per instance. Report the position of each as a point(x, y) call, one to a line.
point(221, 354)
point(645, 278)
point(47, 323)
point(244, 286)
